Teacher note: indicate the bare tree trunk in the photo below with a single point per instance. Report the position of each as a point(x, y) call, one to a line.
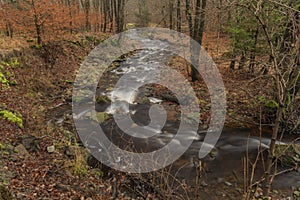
point(87, 8)
point(171, 14)
point(38, 26)
point(9, 30)
point(199, 22)
point(253, 52)
point(242, 61)
point(188, 13)
point(202, 23)
point(110, 5)
point(178, 16)
point(70, 15)
point(105, 10)
point(271, 152)
point(121, 15)
point(117, 13)
point(96, 7)
point(164, 17)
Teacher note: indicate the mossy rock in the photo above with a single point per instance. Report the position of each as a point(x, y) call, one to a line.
point(102, 116)
point(143, 100)
point(102, 99)
point(4, 193)
point(289, 155)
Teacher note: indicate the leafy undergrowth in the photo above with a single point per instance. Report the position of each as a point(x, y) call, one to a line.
point(29, 167)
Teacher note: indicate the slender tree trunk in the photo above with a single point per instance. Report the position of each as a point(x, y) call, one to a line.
point(70, 16)
point(87, 15)
point(171, 14)
point(9, 30)
point(199, 23)
point(96, 7)
point(202, 23)
point(105, 10)
point(178, 16)
point(188, 13)
point(116, 13)
point(232, 64)
point(111, 14)
point(242, 61)
point(271, 152)
point(253, 52)
point(164, 17)
point(38, 25)
point(121, 15)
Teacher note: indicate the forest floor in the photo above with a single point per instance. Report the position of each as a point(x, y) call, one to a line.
point(245, 93)
point(43, 77)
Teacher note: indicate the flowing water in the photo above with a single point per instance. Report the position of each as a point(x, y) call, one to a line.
point(223, 165)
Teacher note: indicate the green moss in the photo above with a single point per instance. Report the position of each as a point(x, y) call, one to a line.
point(272, 104)
point(80, 169)
point(90, 38)
point(102, 117)
point(7, 77)
point(30, 40)
point(145, 100)
point(98, 173)
point(69, 81)
point(14, 63)
point(213, 153)
point(37, 46)
point(11, 117)
point(3, 80)
point(100, 99)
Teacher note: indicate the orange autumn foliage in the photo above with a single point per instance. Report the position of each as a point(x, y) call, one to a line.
point(43, 18)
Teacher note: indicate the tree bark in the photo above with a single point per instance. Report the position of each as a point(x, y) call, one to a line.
point(198, 31)
point(171, 14)
point(188, 13)
point(178, 16)
point(38, 25)
point(70, 16)
point(87, 8)
point(104, 10)
point(253, 52)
